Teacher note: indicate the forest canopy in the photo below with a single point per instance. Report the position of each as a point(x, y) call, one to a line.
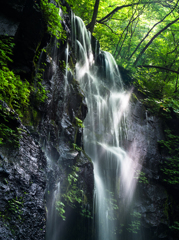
point(143, 36)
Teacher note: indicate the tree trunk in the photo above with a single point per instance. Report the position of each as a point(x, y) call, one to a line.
point(91, 25)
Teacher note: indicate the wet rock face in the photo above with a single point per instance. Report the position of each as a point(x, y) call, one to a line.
point(22, 186)
point(59, 133)
point(22, 20)
point(10, 17)
point(23, 169)
point(24, 172)
point(61, 138)
point(153, 199)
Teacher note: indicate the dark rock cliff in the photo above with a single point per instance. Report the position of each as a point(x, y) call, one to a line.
point(22, 187)
point(156, 201)
point(51, 144)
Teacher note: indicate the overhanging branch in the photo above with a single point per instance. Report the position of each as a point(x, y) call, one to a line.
point(109, 16)
point(162, 68)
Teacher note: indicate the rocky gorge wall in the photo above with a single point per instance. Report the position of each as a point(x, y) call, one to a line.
point(51, 143)
point(29, 175)
point(156, 201)
point(22, 186)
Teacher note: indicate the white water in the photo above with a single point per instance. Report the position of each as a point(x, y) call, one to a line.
point(104, 133)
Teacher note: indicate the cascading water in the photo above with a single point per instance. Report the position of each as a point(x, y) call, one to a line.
point(104, 133)
point(104, 139)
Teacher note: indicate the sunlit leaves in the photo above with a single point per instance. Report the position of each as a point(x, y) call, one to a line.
point(126, 33)
point(13, 90)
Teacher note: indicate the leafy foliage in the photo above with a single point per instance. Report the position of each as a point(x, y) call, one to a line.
point(13, 90)
point(175, 226)
point(53, 18)
point(143, 37)
point(141, 177)
point(38, 90)
point(72, 195)
point(79, 122)
point(134, 226)
point(7, 134)
point(75, 147)
point(60, 207)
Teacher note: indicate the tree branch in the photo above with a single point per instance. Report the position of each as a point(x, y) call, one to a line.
point(91, 25)
point(152, 39)
point(132, 19)
point(108, 16)
point(162, 68)
point(110, 28)
point(151, 30)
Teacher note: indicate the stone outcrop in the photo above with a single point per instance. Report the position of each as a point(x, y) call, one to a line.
point(155, 200)
point(22, 188)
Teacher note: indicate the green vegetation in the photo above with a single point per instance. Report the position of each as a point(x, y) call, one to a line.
point(53, 19)
point(143, 37)
point(79, 122)
point(13, 90)
point(16, 93)
point(75, 147)
point(60, 207)
point(72, 194)
point(170, 167)
point(140, 176)
point(13, 211)
point(8, 135)
point(134, 226)
point(175, 226)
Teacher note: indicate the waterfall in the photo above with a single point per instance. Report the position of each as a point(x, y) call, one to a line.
point(105, 133)
point(104, 136)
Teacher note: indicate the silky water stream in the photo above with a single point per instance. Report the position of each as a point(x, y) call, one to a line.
point(104, 138)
